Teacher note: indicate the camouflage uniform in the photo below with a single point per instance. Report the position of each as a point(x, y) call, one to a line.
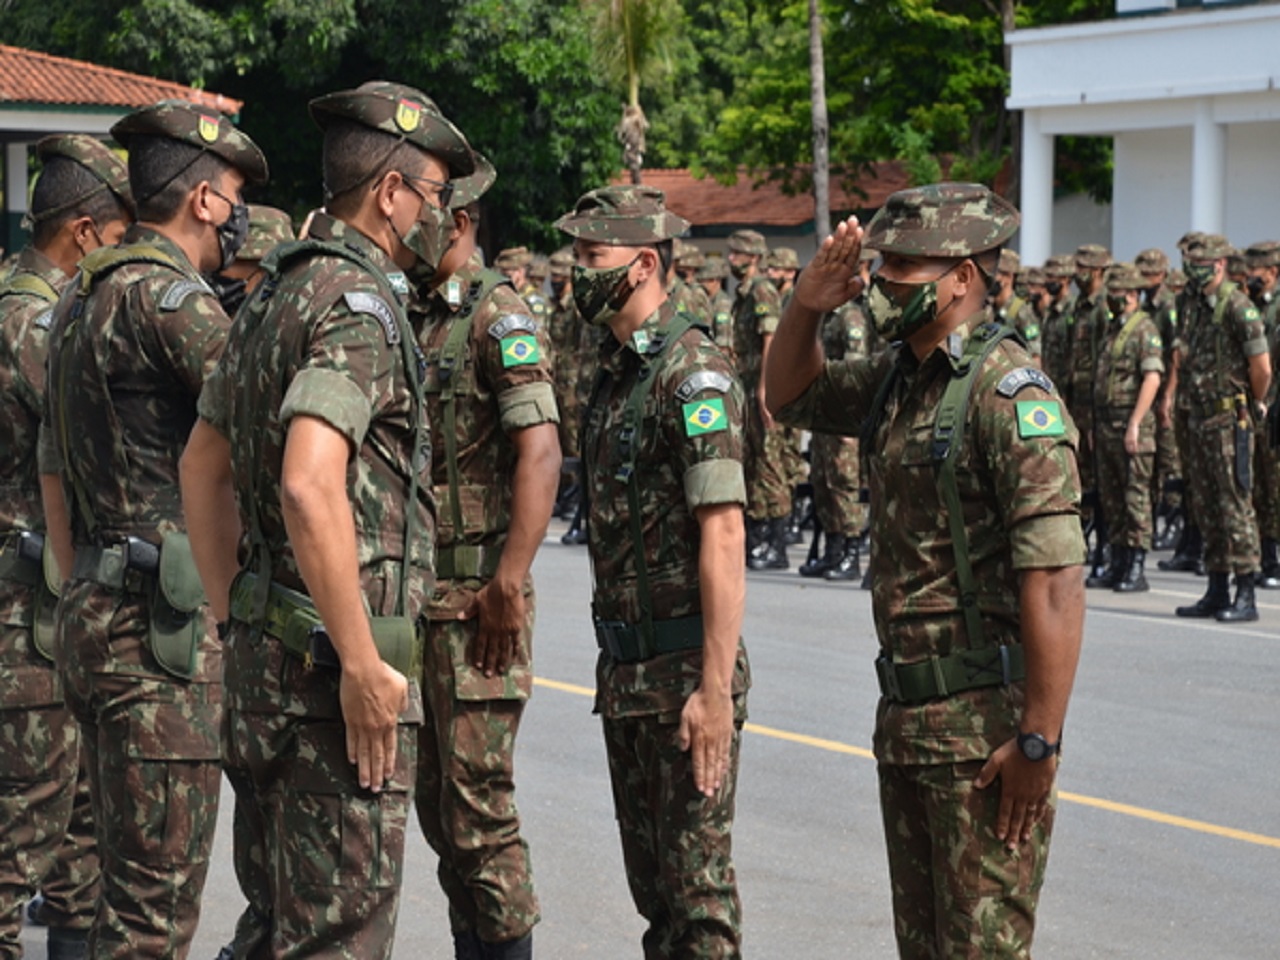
point(1266, 484)
point(566, 339)
point(519, 258)
point(1088, 320)
point(46, 820)
point(465, 792)
point(721, 305)
point(1055, 329)
point(958, 891)
point(688, 452)
point(1160, 305)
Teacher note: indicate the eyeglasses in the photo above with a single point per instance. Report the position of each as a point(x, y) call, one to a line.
point(444, 190)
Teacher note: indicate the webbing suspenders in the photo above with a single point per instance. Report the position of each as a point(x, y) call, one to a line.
point(1225, 291)
point(948, 437)
point(29, 284)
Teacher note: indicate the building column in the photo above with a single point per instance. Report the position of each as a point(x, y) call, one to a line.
point(1036, 240)
point(15, 195)
point(1208, 171)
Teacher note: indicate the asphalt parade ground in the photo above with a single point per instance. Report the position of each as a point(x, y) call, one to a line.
point(1168, 835)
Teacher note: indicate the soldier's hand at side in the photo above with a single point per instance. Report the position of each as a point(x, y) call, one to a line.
point(1025, 788)
point(832, 277)
point(1131, 438)
point(372, 699)
point(706, 728)
point(501, 609)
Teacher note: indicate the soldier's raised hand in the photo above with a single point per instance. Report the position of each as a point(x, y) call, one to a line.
point(832, 277)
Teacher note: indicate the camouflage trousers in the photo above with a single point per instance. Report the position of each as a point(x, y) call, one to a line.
point(1266, 489)
point(836, 471)
point(958, 892)
point(765, 466)
point(1183, 439)
point(793, 456)
point(676, 843)
point(1168, 464)
point(1224, 511)
point(1087, 455)
point(318, 858)
point(150, 745)
point(46, 816)
point(1124, 482)
point(466, 790)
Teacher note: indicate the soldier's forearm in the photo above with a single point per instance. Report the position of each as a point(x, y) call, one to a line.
point(1052, 605)
point(533, 494)
point(724, 590)
point(794, 359)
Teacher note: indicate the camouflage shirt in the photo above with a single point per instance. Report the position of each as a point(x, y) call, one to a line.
point(504, 384)
point(328, 347)
point(25, 316)
point(1131, 348)
point(1018, 481)
point(124, 377)
point(845, 332)
point(1218, 335)
point(689, 456)
point(1163, 311)
point(536, 302)
point(1055, 337)
point(756, 311)
point(691, 299)
point(566, 341)
point(1088, 321)
point(722, 323)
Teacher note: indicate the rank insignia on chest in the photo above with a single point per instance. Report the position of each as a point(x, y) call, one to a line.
point(453, 293)
point(518, 351)
point(704, 416)
point(641, 340)
point(1039, 418)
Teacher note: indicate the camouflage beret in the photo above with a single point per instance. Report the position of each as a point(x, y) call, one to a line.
point(474, 185)
point(1187, 239)
point(783, 258)
point(512, 258)
point(1060, 265)
point(562, 262)
point(623, 216)
point(268, 228)
point(1033, 275)
point(1152, 260)
point(1264, 253)
point(111, 172)
point(1010, 262)
point(539, 267)
point(748, 241)
point(196, 126)
point(716, 268)
point(1210, 246)
point(942, 220)
point(1124, 277)
point(1092, 255)
point(403, 112)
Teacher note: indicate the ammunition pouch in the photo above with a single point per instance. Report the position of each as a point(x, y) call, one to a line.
point(44, 619)
point(176, 597)
point(26, 557)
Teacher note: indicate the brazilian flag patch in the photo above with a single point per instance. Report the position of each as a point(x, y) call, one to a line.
point(518, 351)
point(704, 416)
point(1039, 418)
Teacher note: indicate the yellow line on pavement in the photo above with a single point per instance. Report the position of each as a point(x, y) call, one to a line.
point(835, 746)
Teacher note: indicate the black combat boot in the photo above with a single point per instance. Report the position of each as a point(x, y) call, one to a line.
point(1134, 578)
point(576, 535)
point(1189, 555)
point(521, 949)
point(772, 552)
point(1169, 532)
point(1217, 597)
point(795, 521)
point(1107, 567)
point(1242, 609)
point(467, 946)
point(64, 944)
point(816, 564)
point(849, 566)
point(1269, 576)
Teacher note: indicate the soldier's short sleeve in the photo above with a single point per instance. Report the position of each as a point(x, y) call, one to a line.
point(48, 456)
point(1150, 349)
point(515, 357)
point(1250, 327)
point(1027, 443)
point(767, 307)
point(841, 397)
point(190, 326)
point(348, 372)
point(214, 405)
point(702, 404)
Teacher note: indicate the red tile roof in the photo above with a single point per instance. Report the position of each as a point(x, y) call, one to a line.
point(30, 77)
point(709, 203)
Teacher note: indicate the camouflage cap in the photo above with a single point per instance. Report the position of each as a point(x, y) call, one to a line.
point(1092, 255)
point(107, 167)
point(1010, 262)
point(748, 241)
point(1033, 276)
point(1210, 246)
point(1152, 260)
point(539, 267)
point(268, 228)
point(942, 220)
point(561, 262)
point(1264, 253)
point(1176, 279)
point(783, 258)
point(623, 216)
point(512, 258)
point(692, 260)
point(196, 126)
point(474, 185)
point(716, 268)
point(403, 112)
point(1060, 266)
point(1187, 239)
point(1124, 277)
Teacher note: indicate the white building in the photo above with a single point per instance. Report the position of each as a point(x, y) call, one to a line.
point(1191, 96)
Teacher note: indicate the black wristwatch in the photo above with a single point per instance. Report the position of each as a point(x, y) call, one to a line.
point(1035, 747)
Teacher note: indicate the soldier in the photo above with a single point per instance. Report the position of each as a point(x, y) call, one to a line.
point(129, 352)
point(711, 278)
point(313, 424)
point(1263, 260)
point(496, 461)
point(663, 448)
point(268, 228)
point(688, 297)
point(975, 690)
point(1055, 328)
point(1159, 304)
point(781, 267)
point(755, 318)
point(538, 271)
point(1223, 370)
point(513, 263)
point(1030, 319)
point(1004, 299)
point(689, 260)
point(566, 335)
point(80, 202)
point(1130, 368)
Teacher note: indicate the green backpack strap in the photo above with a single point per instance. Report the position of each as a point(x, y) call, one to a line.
point(948, 438)
point(28, 285)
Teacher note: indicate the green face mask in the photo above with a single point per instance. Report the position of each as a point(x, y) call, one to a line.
point(1198, 274)
point(427, 240)
point(897, 321)
point(600, 294)
point(739, 270)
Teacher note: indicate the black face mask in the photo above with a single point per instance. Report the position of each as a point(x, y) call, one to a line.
point(1054, 287)
point(232, 232)
point(1255, 285)
point(231, 292)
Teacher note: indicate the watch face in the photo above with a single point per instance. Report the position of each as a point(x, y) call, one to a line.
point(1033, 746)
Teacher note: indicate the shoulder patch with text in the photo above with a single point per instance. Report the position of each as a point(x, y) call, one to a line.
point(45, 320)
point(695, 383)
point(178, 291)
point(1016, 380)
point(704, 416)
point(510, 323)
point(1039, 418)
point(358, 301)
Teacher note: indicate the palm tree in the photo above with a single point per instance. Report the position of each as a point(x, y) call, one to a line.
point(632, 44)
